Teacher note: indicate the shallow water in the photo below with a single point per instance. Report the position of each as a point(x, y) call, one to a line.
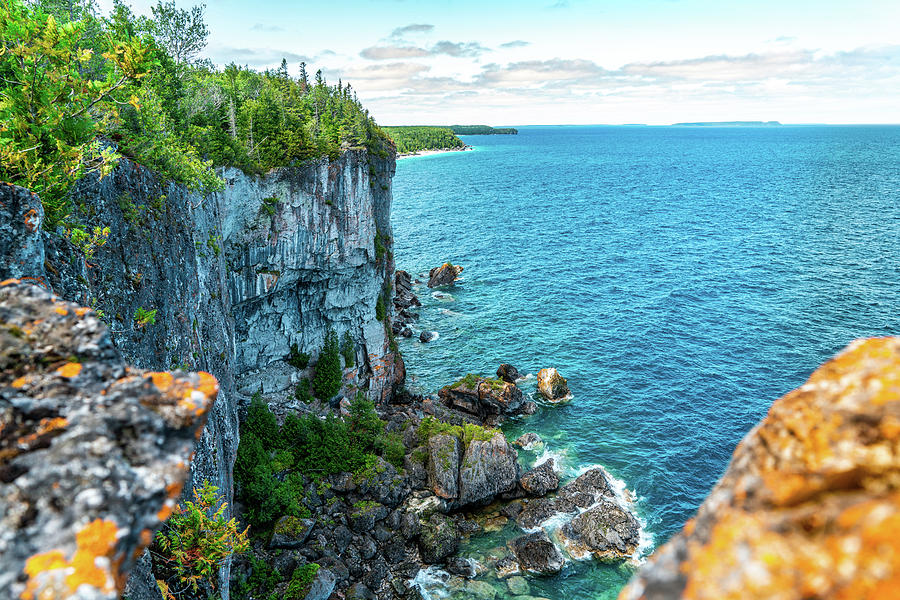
point(680, 278)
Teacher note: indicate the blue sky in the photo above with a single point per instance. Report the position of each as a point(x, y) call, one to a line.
point(581, 61)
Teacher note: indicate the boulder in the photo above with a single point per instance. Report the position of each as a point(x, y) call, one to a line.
point(536, 553)
point(443, 275)
point(291, 532)
point(482, 397)
point(605, 531)
point(809, 506)
point(427, 336)
point(508, 373)
point(93, 453)
point(552, 385)
point(322, 586)
point(506, 566)
point(489, 467)
point(438, 539)
point(365, 515)
point(443, 465)
point(529, 441)
point(464, 567)
point(518, 586)
point(528, 408)
point(541, 479)
point(480, 590)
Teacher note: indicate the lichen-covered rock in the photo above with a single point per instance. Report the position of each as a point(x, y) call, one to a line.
point(605, 531)
point(536, 553)
point(443, 275)
point(541, 479)
point(489, 467)
point(438, 539)
point(810, 504)
point(322, 586)
point(482, 397)
point(443, 465)
point(93, 453)
point(291, 532)
point(21, 246)
point(552, 385)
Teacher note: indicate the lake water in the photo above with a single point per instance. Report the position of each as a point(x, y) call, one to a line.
point(681, 279)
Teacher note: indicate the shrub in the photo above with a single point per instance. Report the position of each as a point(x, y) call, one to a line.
point(297, 359)
point(259, 583)
point(144, 317)
point(198, 539)
point(466, 433)
point(88, 243)
point(392, 448)
point(348, 350)
point(380, 311)
point(364, 422)
point(302, 393)
point(328, 376)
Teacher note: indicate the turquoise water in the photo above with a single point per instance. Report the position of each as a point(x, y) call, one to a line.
point(681, 279)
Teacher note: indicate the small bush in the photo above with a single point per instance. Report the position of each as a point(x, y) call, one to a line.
point(302, 393)
point(297, 359)
point(259, 583)
point(467, 433)
point(88, 243)
point(144, 317)
point(328, 376)
point(348, 350)
point(391, 447)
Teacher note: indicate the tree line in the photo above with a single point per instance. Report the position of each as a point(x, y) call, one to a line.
point(410, 138)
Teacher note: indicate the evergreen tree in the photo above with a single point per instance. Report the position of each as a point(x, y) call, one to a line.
point(328, 375)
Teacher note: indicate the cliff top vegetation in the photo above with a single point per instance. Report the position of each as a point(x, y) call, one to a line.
point(79, 89)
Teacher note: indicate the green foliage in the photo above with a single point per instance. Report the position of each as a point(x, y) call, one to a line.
point(328, 375)
point(301, 581)
point(363, 422)
point(380, 310)
point(144, 317)
point(302, 393)
point(482, 130)
point(391, 447)
point(415, 138)
point(181, 32)
point(466, 433)
point(260, 583)
point(297, 359)
point(88, 243)
point(268, 205)
point(348, 350)
point(56, 95)
point(198, 539)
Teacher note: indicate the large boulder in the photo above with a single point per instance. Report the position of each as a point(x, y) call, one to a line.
point(443, 465)
point(489, 467)
point(552, 385)
point(529, 441)
point(93, 453)
point(291, 532)
point(443, 275)
point(438, 539)
point(536, 553)
point(605, 531)
point(508, 373)
point(810, 505)
point(541, 479)
point(482, 397)
point(322, 586)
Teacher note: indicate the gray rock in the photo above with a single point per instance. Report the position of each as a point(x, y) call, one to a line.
point(528, 408)
point(443, 465)
point(365, 515)
point(291, 532)
point(21, 246)
point(488, 468)
point(427, 336)
point(322, 586)
point(438, 539)
point(605, 531)
point(541, 479)
point(518, 586)
point(536, 553)
point(480, 590)
point(358, 591)
point(529, 441)
point(464, 567)
point(443, 275)
point(342, 538)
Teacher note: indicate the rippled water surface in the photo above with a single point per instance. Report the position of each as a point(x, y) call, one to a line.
point(680, 278)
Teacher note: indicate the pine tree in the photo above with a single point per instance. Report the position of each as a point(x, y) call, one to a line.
point(328, 376)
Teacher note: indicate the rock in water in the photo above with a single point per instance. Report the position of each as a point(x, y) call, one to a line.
point(443, 275)
point(541, 479)
point(489, 467)
point(427, 336)
point(482, 397)
point(604, 531)
point(528, 441)
point(93, 453)
point(537, 554)
point(810, 504)
point(552, 385)
point(508, 373)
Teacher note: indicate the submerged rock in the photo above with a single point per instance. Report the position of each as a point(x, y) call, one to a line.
point(536, 553)
point(443, 275)
point(541, 479)
point(93, 453)
point(529, 441)
point(552, 385)
point(508, 373)
point(810, 504)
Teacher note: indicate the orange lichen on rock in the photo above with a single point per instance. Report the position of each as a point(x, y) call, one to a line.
point(61, 311)
point(70, 370)
point(51, 576)
point(810, 504)
point(9, 282)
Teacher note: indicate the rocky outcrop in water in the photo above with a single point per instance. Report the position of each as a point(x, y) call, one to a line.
point(810, 504)
point(93, 453)
point(508, 373)
point(443, 275)
point(487, 399)
point(552, 386)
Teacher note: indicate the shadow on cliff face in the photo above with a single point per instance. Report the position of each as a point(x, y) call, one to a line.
point(810, 504)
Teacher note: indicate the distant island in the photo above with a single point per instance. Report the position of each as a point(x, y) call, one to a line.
point(483, 130)
point(411, 139)
point(729, 124)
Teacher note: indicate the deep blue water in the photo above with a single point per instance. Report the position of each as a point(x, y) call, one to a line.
point(681, 279)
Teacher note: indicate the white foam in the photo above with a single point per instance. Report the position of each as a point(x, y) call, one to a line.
point(449, 313)
point(442, 296)
point(431, 583)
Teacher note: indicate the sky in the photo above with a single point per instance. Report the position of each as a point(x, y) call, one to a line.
point(524, 62)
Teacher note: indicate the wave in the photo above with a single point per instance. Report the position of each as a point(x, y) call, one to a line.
point(442, 296)
point(431, 583)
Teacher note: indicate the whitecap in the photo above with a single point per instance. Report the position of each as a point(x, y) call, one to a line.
point(442, 296)
point(431, 583)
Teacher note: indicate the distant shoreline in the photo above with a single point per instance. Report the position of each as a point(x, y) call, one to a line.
point(429, 152)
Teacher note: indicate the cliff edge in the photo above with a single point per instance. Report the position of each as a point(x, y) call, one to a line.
point(810, 505)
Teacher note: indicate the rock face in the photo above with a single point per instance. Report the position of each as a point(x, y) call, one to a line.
point(93, 453)
point(443, 275)
point(443, 465)
point(508, 373)
point(536, 553)
point(552, 385)
point(488, 468)
point(483, 397)
point(810, 504)
point(439, 538)
point(235, 279)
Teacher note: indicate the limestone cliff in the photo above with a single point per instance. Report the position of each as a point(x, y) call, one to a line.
point(810, 504)
point(235, 278)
